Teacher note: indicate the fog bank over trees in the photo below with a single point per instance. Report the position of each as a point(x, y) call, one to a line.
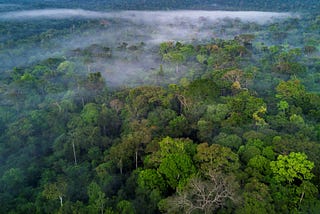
point(127, 40)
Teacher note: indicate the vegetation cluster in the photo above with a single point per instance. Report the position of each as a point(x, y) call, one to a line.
point(220, 126)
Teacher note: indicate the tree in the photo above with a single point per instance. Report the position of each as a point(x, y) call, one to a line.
point(287, 62)
point(141, 100)
point(203, 196)
point(243, 108)
point(216, 158)
point(125, 207)
point(177, 169)
point(234, 76)
point(139, 136)
point(66, 67)
point(12, 180)
point(292, 168)
point(231, 141)
point(245, 39)
point(292, 174)
point(90, 114)
point(159, 120)
point(120, 157)
point(173, 163)
point(178, 127)
point(283, 106)
point(165, 47)
point(260, 122)
point(205, 130)
point(151, 179)
point(176, 146)
point(109, 121)
point(291, 91)
point(56, 190)
point(97, 198)
point(83, 132)
point(255, 147)
point(175, 57)
point(256, 199)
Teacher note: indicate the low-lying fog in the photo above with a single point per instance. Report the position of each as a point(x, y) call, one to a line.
point(162, 17)
point(124, 28)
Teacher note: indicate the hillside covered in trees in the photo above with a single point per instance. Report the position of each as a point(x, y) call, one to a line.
point(137, 113)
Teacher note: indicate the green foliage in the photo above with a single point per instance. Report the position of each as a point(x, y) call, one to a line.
point(177, 169)
point(232, 141)
point(125, 207)
point(176, 146)
point(216, 158)
point(260, 163)
point(90, 114)
point(242, 108)
point(290, 91)
point(144, 99)
point(283, 106)
point(55, 191)
point(70, 144)
point(292, 168)
point(173, 162)
point(151, 179)
point(178, 126)
point(257, 199)
point(96, 198)
point(253, 148)
point(12, 179)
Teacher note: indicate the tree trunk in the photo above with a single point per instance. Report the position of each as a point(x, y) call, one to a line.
point(302, 195)
point(102, 208)
point(136, 159)
point(61, 203)
point(120, 166)
point(74, 153)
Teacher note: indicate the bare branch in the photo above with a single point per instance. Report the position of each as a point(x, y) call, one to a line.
point(204, 195)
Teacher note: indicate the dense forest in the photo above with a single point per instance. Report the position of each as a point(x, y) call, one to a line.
point(105, 113)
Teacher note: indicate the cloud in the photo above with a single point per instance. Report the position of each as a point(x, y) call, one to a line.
point(131, 27)
point(160, 17)
point(171, 17)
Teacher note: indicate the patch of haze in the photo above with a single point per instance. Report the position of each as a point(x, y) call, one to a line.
point(155, 27)
point(159, 17)
point(167, 25)
point(171, 17)
point(132, 28)
point(120, 72)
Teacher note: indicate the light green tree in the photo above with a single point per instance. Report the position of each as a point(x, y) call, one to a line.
point(177, 168)
point(292, 174)
point(283, 106)
point(56, 190)
point(287, 168)
point(125, 207)
point(97, 198)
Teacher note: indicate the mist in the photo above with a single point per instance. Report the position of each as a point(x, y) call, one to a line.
point(163, 17)
point(140, 31)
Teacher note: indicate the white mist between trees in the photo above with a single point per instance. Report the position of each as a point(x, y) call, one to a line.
point(132, 36)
